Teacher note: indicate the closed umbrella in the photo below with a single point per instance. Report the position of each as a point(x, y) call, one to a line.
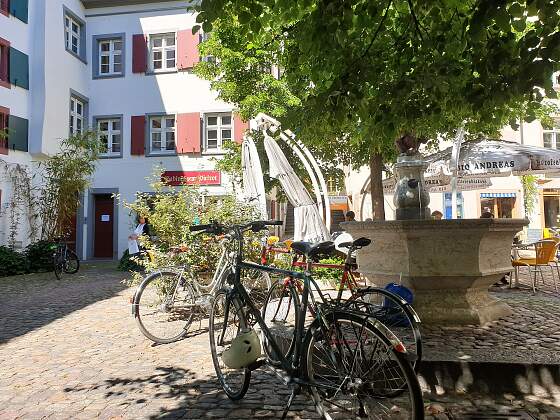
point(253, 184)
point(308, 224)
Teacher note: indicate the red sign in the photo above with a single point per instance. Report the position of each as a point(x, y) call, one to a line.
point(176, 178)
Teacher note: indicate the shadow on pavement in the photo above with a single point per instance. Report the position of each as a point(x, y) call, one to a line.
point(31, 301)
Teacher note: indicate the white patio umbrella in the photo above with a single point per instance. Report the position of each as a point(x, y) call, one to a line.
point(253, 184)
point(442, 184)
point(489, 158)
point(308, 224)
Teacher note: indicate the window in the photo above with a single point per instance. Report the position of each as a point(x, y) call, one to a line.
point(448, 205)
point(556, 79)
point(109, 132)
point(162, 134)
point(162, 52)
point(208, 58)
point(219, 129)
point(501, 205)
point(110, 57)
point(74, 34)
point(77, 115)
point(551, 138)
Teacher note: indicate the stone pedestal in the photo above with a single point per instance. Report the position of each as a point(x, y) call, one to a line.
point(411, 197)
point(448, 264)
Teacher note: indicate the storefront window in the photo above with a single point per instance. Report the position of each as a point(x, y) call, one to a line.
point(448, 206)
point(551, 199)
point(501, 205)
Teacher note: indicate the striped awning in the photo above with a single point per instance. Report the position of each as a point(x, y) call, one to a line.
point(497, 195)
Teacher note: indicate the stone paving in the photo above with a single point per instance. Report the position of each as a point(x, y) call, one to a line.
point(71, 349)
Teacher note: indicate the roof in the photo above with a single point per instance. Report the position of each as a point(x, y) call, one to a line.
point(91, 4)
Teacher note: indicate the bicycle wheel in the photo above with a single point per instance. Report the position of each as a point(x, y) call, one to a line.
point(396, 314)
point(257, 283)
point(72, 263)
point(280, 313)
point(164, 306)
point(58, 265)
point(235, 382)
point(354, 368)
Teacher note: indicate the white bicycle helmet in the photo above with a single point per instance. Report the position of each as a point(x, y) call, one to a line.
point(244, 350)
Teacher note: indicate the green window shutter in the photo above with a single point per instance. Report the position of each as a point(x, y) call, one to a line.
point(19, 68)
point(18, 133)
point(18, 8)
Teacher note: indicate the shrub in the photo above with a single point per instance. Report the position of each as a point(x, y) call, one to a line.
point(128, 263)
point(12, 262)
point(331, 276)
point(40, 256)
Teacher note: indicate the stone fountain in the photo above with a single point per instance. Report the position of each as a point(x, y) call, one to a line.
point(448, 264)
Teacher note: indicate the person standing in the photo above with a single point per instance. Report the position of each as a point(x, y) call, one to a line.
point(141, 229)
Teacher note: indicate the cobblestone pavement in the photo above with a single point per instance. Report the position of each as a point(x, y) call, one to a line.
point(71, 349)
point(532, 333)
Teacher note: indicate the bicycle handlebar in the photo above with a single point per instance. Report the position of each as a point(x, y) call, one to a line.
point(217, 228)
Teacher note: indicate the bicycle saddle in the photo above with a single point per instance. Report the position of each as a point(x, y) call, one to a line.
point(358, 243)
point(313, 250)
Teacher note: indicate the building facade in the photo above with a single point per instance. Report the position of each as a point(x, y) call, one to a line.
point(124, 69)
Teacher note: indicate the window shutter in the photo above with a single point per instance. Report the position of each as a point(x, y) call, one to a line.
point(239, 128)
point(187, 49)
point(188, 133)
point(17, 133)
point(4, 9)
point(19, 68)
point(18, 8)
point(4, 115)
point(137, 134)
point(139, 53)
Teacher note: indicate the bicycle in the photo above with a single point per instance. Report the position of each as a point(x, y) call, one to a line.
point(64, 259)
point(351, 365)
point(167, 300)
point(389, 308)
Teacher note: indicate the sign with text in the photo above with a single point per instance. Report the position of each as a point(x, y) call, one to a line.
point(176, 178)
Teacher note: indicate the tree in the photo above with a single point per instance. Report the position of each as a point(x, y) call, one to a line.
point(357, 74)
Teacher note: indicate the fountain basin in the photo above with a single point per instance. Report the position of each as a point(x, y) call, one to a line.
point(448, 264)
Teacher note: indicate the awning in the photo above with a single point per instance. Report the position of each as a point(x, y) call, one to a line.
point(497, 195)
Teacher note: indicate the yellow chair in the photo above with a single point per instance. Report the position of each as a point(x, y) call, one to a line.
point(545, 253)
point(555, 262)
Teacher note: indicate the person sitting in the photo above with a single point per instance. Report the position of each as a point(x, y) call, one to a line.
point(350, 216)
point(437, 215)
point(486, 215)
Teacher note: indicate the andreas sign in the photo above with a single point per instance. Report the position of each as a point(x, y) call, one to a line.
point(176, 178)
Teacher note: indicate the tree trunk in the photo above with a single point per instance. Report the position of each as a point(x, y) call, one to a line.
point(376, 186)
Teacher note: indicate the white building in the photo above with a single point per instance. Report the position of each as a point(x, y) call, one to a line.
point(124, 68)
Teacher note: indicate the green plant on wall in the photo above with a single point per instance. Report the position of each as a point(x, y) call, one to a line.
point(530, 193)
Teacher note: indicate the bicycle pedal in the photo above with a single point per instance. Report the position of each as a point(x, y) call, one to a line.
point(256, 365)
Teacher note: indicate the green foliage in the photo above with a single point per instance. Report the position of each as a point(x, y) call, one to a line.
point(12, 262)
point(530, 193)
point(64, 176)
point(331, 276)
point(40, 256)
point(357, 74)
point(171, 211)
point(128, 263)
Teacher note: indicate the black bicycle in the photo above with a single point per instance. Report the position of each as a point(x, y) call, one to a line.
point(64, 260)
point(351, 365)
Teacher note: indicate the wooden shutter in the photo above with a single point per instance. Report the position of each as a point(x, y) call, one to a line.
point(239, 128)
point(4, 9)
point(139, 53)
point(4, 115)
point(187, 49)
point(188, 133)
point(19, 68)
point(18, 133)
point(18, 8)
point(137, 134)
point(4, 69)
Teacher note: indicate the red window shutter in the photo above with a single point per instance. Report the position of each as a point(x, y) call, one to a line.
point(188, 133)
point(4, 72)
point(187, 49)
point(4, 115)
point(239, 128)
point(139, 53)
point(4, 7)
point(137, 133)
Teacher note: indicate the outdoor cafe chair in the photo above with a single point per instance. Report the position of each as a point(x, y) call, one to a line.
point(545, 254)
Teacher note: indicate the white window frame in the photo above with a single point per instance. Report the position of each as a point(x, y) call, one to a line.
point(77, 116)
point(69, 33)
point(556, 80)
point(555, 142)
point(163, 130)
point(111, 53)
point(110, 133)
point(163, 49)
point(218, 127)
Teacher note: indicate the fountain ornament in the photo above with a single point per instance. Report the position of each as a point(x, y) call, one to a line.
point(411, 197)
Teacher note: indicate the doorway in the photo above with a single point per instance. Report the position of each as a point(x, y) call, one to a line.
point(103, 227)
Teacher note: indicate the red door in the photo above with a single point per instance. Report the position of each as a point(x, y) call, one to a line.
point(103, 227)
